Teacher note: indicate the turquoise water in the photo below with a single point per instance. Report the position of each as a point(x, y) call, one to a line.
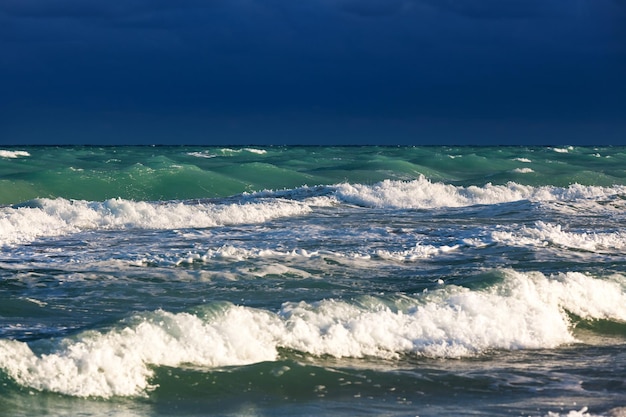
point(149, 281)
point(172, 173)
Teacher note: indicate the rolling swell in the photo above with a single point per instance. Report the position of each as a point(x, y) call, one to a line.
point(179, 173)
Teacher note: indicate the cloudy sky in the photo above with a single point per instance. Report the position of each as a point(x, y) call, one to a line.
point(313, 71)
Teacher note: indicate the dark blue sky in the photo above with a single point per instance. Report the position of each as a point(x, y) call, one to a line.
point(313, 71)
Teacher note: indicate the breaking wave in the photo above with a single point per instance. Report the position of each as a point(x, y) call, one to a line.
point(54, 217)
point(520, 311)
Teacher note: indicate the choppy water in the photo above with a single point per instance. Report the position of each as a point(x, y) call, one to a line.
point(431, 281)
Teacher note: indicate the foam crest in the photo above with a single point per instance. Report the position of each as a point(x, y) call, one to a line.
point(13, 154)
point(203, 154)
point(230, 151)
point(544, 234)
point(46, 217)
point(452, 323)
point(419, 251)
point(118, 363)
point(563, 150)
point(583, 412)
point(256, 151)
point(424, 194)
point(226, 152)
point(588, 298)
point(229, 252)
point(523, 311)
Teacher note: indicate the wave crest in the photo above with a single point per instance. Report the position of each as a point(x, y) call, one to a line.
point(522, 311)
point(424, 194)
point(46, 217)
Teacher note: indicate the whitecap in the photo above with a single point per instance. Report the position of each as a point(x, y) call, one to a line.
point(202, 154)
point(54, 217)
point(118, 362)
point(13, 154)
point(543, 234)
point(563, 150)
point(419, 251)
point(421, 193)
point(522, 311)
point(523, 170)
point(256, 151)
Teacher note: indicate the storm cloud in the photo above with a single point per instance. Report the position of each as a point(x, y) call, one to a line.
point(404, 71)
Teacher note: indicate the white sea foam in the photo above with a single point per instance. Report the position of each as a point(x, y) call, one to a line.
point(229, 252)
point(230, 151)
point(523, 311)
point(226, 152)
point(543, 234)
point(118, 362)
point(203, 154)
point(239, 254)
point(256, 151)
point(13, 154)
point(419, 251)
point(424, 194)
point(525, 160)
point(563, 150)
point(583, 412)
point(523, 170)
point(52, 217)
point(47, 217)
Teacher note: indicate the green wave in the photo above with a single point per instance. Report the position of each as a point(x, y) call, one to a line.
point(176, 172)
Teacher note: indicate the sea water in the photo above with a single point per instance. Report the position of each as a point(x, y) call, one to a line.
point(265, 281)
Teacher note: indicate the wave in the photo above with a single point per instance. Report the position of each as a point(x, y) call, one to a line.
point(226, 152)
point(168, 173)
point(54, 217)
point(13, 154)
point(424, 194)
point(46, 217)
point(230, 252)
point(563, 150)
point(544, 234)
point(523, 170)
point(583, 412)
point(520, 311)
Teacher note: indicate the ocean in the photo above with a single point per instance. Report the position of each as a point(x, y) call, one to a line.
point(310, 281)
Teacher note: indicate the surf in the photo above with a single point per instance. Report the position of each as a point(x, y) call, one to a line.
point(518, 311)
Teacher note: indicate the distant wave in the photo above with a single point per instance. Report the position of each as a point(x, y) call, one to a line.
point(225, 152)
point(523, 170)
point(179, 173)
point(13, 154)
point(563, 150)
